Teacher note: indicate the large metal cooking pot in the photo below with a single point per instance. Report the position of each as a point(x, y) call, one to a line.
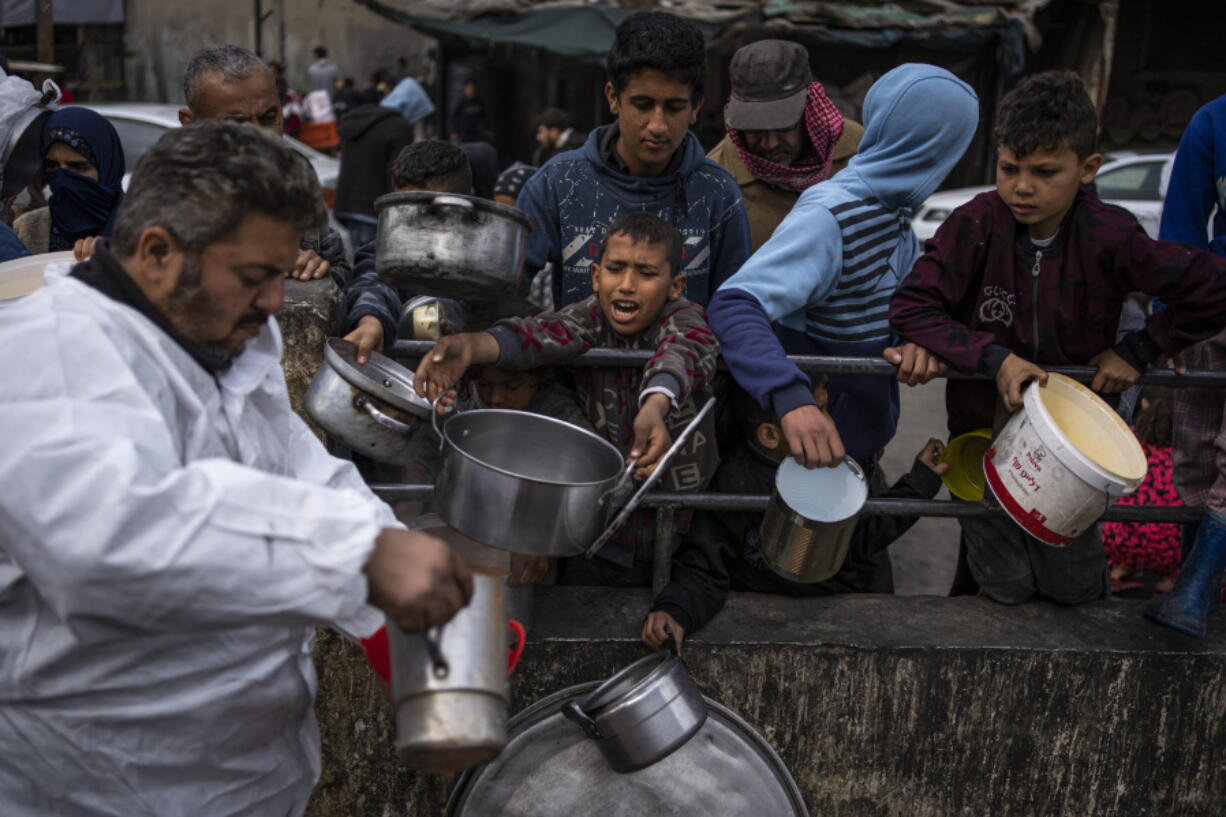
point(449, 685)
point(810, 519)
point(454, 246)
point(371, 407)
point(525, 482)
point(642, 714)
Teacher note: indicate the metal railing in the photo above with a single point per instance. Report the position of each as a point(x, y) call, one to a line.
point(666, 505)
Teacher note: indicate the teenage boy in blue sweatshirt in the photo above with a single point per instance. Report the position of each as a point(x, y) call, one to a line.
point(646, 160)
point(826, 274)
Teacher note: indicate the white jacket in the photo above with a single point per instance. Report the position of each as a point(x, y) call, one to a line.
point(168, 541)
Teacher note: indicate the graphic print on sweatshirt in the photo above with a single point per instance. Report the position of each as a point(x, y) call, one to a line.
point(996, 305)
point(857, 309)
point(583, 249)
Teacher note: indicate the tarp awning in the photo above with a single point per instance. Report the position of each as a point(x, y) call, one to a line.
point(583, 29)
point(572, 31)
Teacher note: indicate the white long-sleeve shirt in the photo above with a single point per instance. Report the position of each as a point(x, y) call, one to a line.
point(168, 542)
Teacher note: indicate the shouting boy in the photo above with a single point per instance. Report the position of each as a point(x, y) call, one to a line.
point(1035, 272)
point(646, 160)
point(637, 304)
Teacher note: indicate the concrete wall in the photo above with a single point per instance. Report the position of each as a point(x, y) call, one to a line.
point(161, 37)
point(879, 706)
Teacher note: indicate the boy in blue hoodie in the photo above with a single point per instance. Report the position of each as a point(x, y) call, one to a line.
point(826, 274)
point(647, 160)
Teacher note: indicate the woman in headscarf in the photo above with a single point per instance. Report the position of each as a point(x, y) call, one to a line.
point(83, 165)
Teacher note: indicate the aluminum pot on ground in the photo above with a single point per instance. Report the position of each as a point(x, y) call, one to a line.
point(643, 713)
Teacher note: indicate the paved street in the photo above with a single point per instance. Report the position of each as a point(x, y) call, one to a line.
point(924, 558)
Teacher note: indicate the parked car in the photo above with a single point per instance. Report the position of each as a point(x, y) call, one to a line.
point(141, 124)
point(1135, 181)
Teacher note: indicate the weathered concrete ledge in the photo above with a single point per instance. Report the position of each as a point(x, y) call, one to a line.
point(879, 705)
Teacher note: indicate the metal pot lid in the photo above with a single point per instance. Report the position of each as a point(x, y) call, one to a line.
point(549, 769)
point(822, 494)
point(474, 204)
point(380, 377)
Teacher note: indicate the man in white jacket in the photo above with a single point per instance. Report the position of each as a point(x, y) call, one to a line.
point(171, 533)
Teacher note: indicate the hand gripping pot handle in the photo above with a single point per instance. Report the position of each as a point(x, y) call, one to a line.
point(442, 441)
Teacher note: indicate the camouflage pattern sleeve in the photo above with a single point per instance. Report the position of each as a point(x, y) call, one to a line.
point(686, 348)
point(551, 337)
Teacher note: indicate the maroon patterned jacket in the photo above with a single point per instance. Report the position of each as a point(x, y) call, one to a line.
point(684, 366)
point(983, 290)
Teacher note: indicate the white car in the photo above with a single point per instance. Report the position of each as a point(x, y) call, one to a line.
point(141, 124)
point(1136, 182)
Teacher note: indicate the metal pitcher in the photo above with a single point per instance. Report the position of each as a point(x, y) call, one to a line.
point(449, 685)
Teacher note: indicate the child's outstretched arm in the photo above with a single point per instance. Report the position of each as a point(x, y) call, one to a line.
point(922, 308)
point(651, 437)
point(796, 268)
point(923, 481)
point(450, 358)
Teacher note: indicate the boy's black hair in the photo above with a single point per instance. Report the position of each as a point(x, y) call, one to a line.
point(320, 52)
point(749, 412)
point(1045, 112)
point(435, 164)
point(554, 118)
point(665, 42)
point(640, 225)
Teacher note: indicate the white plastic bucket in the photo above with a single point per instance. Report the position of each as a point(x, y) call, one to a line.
point(1062, 460)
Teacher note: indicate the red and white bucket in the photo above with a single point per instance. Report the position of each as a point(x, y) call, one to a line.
point(1062, 460)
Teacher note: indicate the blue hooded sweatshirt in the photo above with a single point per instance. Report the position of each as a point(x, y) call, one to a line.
point(575, 196)
point(1197, 189)
point(827, 273)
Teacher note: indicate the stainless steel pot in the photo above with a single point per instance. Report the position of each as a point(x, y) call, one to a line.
point(642, 714)
point(454, 246)
point(449, 685)
point(810, 519)
point(371, 407)
point(525, 482)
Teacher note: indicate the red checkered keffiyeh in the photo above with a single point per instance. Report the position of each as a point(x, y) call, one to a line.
point(824, 124)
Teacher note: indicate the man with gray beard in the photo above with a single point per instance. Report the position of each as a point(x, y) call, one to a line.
point(171, 533)
point(232, 83)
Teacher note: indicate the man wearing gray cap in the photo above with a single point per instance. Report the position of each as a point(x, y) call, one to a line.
point(784, 133)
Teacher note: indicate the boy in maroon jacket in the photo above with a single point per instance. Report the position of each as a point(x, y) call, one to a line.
point(1035, 273)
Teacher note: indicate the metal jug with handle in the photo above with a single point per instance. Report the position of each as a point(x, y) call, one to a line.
point(449, 684)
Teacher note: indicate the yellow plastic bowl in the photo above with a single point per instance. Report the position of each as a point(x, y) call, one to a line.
point(964, 453)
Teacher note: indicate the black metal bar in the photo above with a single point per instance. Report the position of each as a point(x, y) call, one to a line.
point(851, 365)
point(662, 562)
point(873, 507)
